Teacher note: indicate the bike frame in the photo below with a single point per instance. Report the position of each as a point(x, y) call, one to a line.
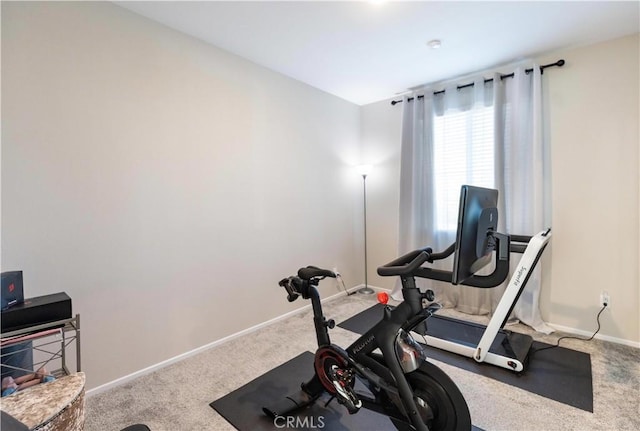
point(381, 371)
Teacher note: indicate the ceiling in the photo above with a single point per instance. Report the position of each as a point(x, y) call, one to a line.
point(369, 51)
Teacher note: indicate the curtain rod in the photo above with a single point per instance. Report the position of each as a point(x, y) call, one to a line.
point(558, 63)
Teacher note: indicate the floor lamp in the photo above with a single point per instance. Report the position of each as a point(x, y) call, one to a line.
point(364, 170)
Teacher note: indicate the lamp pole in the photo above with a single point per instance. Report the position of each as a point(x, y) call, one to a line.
point(366, 289)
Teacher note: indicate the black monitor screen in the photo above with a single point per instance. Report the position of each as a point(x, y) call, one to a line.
point(477, 220)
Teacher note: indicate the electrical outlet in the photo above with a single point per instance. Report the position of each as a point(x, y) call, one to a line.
point(605, 300)
point(339, 282)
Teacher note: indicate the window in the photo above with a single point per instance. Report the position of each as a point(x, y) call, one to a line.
point(463, 153)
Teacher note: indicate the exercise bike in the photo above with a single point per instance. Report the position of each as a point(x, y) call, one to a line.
point(402, 384)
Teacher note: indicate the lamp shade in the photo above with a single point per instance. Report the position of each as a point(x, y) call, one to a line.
point(364, 170)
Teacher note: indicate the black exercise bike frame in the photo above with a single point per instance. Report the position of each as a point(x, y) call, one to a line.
point(380, 370)
point(383, 372)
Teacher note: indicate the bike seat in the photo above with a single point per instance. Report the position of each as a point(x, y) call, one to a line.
point(312, 271)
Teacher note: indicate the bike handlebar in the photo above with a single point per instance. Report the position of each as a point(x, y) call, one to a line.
point(407, 264)
point(299, 285)
point(289, 286)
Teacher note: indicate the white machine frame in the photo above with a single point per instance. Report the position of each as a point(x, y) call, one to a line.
point(516, 285)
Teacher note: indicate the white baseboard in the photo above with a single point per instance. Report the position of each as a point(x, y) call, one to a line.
point(588, 334)
point(140, 373)
point(152, 368)
point(562, 328)
point(566, 329)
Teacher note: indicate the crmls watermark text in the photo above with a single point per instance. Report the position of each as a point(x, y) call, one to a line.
point(307, 422)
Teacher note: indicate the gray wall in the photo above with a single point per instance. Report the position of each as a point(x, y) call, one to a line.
point(167, 185)
point(592, 105)
point(164, 184)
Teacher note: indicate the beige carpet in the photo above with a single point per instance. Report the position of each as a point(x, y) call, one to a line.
point(178, 396)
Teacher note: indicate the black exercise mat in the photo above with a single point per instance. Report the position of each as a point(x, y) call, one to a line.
point(561, 374)
point(243, 407)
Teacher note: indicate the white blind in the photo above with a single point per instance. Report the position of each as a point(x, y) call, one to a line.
point(463, 153)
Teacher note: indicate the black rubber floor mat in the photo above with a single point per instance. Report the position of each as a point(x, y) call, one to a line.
point(561, 374)
point(243, 407)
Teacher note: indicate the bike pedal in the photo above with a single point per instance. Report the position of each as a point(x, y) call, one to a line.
point(351, 408)
point(353, 411)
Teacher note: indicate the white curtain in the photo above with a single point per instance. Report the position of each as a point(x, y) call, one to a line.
point(488, 135)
